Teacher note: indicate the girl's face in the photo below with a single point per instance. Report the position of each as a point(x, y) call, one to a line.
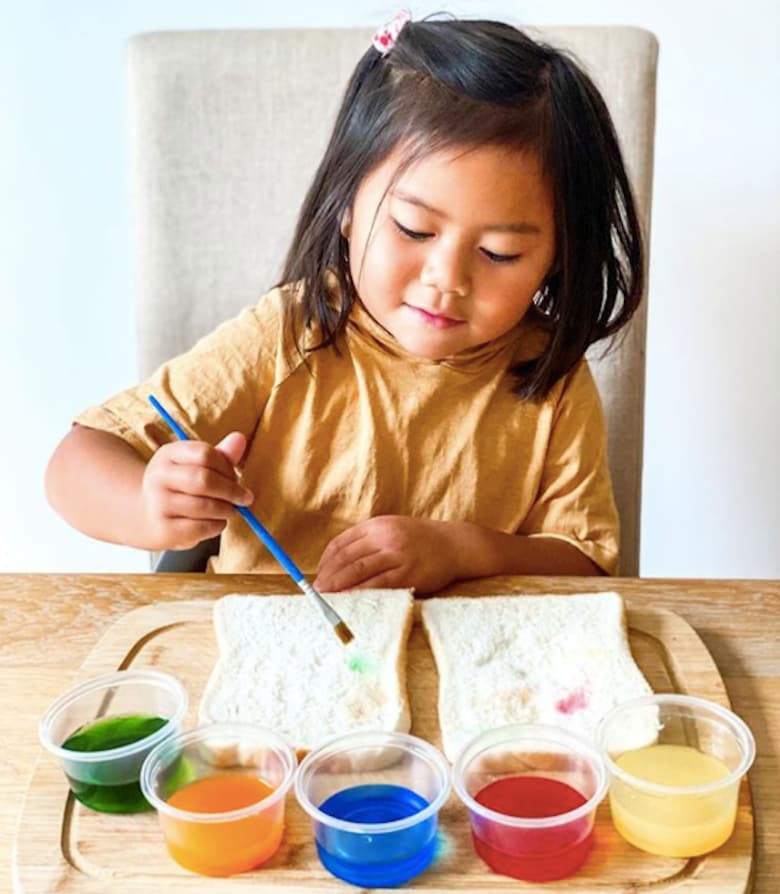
point(453, 253)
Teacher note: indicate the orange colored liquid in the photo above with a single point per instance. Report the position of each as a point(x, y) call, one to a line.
point(223, 848)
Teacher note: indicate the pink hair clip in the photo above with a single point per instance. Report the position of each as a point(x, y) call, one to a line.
point(385, 38)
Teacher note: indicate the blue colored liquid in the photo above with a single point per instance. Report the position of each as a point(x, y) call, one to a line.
point(376, 860)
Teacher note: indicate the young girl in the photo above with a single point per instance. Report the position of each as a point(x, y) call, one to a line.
point(410, 405)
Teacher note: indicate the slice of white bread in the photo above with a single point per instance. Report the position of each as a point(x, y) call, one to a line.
point(556, 660)
point(281, 666)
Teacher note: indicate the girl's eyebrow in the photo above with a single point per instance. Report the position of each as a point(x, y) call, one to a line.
point(501, 228)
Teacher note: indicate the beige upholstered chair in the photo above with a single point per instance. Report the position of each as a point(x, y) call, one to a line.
point(227, 129)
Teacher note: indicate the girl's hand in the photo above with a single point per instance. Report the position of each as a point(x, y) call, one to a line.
point(390, 551)
point(189, 490)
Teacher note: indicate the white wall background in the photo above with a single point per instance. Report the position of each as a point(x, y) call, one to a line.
point(712, 438)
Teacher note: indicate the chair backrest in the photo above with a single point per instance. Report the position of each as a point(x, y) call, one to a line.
point(227, 129)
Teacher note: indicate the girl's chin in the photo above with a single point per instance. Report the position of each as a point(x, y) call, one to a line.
point(429, 349)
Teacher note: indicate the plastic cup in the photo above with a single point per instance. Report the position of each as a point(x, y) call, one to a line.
point(139, 708)
point(675, 764)
point(532, 793)
point(219, 791)
point(374, 799)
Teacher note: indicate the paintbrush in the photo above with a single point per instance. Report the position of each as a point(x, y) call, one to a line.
point(331, 616)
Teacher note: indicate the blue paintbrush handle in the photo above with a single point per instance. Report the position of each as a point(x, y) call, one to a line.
point(270, 544)
point(172, 423)
point(249, 517)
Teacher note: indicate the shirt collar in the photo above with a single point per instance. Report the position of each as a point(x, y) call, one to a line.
point(524, 341)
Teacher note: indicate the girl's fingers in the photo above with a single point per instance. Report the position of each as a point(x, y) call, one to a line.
point(204, 481)
point(344, 541)
point(342, 576)
point(232, 447)
point(198, 453)
point(388, 579)
point(180, 505)
point(331, 569)
point(335, 557)
point(184, 533)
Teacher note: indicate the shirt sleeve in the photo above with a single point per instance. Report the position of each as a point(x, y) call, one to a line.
point(221, 385)
point(575, 501)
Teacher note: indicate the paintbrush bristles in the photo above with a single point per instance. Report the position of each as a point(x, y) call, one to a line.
point(344, 633)
point(339, 627)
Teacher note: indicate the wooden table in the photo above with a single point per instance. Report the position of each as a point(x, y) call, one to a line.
point(50, 622)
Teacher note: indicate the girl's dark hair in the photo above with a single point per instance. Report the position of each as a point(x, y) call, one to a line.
point(448, 84)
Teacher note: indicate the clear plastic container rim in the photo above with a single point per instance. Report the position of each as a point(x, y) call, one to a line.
point(110, 681)
point(738, 726)
point(243, 731)
point(376, 739)
point(517, 733)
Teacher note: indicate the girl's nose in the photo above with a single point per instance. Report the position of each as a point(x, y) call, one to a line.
point(447, 269)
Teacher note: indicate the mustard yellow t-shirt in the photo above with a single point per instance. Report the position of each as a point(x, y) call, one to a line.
point(368, 430)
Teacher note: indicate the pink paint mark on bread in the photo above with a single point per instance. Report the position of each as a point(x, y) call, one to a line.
point(575, 701)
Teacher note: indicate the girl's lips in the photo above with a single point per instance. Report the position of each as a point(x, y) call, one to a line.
point(438, 321)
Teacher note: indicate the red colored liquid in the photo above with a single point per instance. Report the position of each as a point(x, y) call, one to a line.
point(537, 855)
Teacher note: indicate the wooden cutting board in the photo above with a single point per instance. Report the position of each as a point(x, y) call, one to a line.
point(62, 846)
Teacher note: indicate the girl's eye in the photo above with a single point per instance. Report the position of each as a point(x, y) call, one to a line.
point(419, 236)
point(411, 234)
point(499, 259)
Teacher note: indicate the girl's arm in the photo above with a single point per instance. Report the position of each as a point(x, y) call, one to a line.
point(184, 494)
point(483, 552)
point(93, 481)
point(398, 551)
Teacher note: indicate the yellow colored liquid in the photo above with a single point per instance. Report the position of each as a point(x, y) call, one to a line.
point(673, 825)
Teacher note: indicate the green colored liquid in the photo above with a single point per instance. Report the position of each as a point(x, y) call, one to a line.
point(103, 735)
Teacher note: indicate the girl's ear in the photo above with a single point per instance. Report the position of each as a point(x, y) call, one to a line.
point(346, 223)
